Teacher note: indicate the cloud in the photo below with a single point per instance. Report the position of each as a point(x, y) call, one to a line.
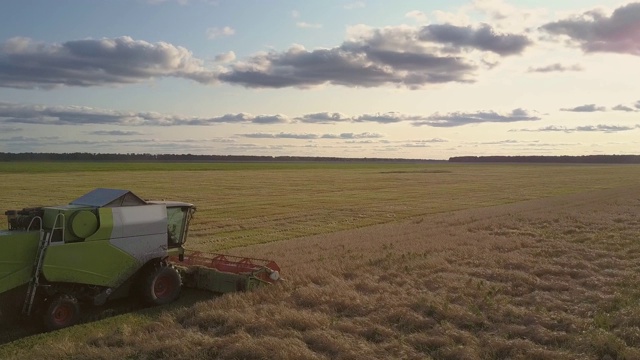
point(637, 105)
point(595, 31)
point(417, 16)
point(605, 128)
point(416, 145)
point(307, 136)
point(26, 139)
point(323, 118)
point(227, 118)
point(587, 128)
point(214, 32)
point(504, 15)
point(281, 135)
point(114, 133)
point(403, 56)
point(623, 108)
point(421, 143)
point(305, 25)
point(483, 38)
point(350, 67)
point(9, 129)
point(503, 142)
point(550, 128)
point(110, 144)
point(28, 64)
point(366, 135)
point(556, 68)
point(460, 118)
point(433, 140)
point(79, 115)
point(270, 119)
point(586, 108)
point(387, 118)
point(226, 57)
point(496, 9)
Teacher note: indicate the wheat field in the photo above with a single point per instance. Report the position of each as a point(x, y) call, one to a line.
point(445, 262)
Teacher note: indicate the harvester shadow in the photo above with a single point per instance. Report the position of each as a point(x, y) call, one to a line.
point(30, 327)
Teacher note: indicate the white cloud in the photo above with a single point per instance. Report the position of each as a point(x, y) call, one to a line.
point(557, 67)
point(462, 118)
point(324, 118)
point(226, 57)
point(311, 136)
point(586, 128)
point(585, 108)
point(418, 16)
point(214, 32)
point(459, 18)
point(507, 17)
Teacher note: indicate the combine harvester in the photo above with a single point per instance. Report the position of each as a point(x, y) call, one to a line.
point(106, 245)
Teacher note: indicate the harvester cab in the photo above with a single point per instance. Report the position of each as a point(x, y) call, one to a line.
point(105, 245)
point(179, 216)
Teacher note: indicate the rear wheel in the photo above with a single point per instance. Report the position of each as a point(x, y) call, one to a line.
point(161, 285)
point(63, 311)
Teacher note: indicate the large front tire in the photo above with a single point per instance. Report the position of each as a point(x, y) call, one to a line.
point(63, 311)
point(161, 285)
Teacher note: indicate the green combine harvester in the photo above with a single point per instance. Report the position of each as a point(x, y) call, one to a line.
point(106, 245)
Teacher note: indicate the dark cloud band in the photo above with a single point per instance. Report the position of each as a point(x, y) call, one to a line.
point(76, 115)
point(594, 31)
point(28, 64)
point(411, 57)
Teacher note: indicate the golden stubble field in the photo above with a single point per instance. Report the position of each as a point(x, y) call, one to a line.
point(527, 263)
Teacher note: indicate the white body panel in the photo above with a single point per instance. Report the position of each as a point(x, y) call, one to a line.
point(141, 231)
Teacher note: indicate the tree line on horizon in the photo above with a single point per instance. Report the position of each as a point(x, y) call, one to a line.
point(129, 157)
point(144, 157)
point(583, 159)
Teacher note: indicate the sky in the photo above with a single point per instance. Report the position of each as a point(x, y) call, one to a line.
point(383, 79)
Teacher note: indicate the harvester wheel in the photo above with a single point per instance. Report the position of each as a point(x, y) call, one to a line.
point(63, 311)
point(161, 285)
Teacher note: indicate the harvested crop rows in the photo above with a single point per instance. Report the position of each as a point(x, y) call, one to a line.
point(238, 207)
point(548, 278)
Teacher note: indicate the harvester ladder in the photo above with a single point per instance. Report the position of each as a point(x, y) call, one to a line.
point(45, 241)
